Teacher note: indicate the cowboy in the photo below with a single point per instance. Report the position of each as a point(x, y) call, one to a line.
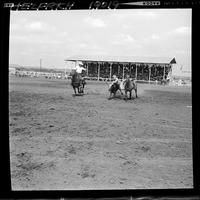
point(79, 69)
point(116, 80)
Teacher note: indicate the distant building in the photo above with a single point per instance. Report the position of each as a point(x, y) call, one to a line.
point(12, 70)
point(178, 72)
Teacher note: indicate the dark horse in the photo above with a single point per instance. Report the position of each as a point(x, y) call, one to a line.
point(130, 85)
point(113, 89)
point(78, 82)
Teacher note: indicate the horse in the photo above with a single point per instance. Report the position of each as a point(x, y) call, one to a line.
point(78, 82)
point(128, 87)
point(113, 89)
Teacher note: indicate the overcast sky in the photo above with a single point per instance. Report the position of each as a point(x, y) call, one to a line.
point(56, 35)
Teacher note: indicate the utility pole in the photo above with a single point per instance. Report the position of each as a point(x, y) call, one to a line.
point(40, 64)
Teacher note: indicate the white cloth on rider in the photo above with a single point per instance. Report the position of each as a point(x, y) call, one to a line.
point(79, 69)
point(122, 84)
point(116, 80)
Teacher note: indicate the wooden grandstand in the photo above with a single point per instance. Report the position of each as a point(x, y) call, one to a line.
point(148, 69)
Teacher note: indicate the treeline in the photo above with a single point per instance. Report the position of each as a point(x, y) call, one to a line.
point(36, 69)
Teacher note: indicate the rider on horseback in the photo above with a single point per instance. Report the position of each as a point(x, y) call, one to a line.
point(77, 80)
point(79, 69)
point(116, 80)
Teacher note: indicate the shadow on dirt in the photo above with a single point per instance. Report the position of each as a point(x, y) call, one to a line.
point(120, 97)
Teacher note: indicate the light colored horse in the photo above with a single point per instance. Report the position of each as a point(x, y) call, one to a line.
point(129, 85)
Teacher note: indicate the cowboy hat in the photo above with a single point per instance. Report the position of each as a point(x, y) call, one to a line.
point(80, 63)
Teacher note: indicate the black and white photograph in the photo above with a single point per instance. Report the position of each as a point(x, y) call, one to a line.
point(100, 99)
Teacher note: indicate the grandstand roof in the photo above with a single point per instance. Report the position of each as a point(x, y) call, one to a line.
point(128, 59)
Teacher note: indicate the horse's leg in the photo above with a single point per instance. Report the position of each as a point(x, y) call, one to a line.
point(110, 96)
point(125, 98)
point(121, 91)
point(136, 93)
point(130, 94)
point(83, 87)
point(79, 88)
point(74, 89)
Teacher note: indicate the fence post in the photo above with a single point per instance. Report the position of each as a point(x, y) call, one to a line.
point(136, 73)
point(98, 70)
point(149, 74)
point(87, 68)
point(110, 71)
point(123, 72)
point(164, 72)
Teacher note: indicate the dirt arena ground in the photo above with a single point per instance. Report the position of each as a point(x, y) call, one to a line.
point(62, 142)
